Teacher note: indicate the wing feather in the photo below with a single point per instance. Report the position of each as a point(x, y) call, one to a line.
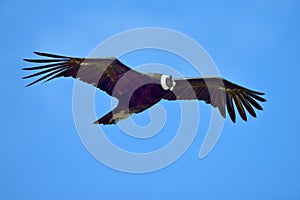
point(253, 102)
point(46, 76)
point(230, 107)
point(247, 105)
point(219, 93)
point(102, 73)
point(239, 107)
point(256, 97)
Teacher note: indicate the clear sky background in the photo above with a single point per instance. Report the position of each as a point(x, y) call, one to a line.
point(253, 43)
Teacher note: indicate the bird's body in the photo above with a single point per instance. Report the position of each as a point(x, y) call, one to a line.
point(135, 95)
point(138, 91)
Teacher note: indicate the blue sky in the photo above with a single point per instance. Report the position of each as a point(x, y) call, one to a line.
point(255, 44)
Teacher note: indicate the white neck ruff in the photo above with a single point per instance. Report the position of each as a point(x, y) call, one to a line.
point(163, 82)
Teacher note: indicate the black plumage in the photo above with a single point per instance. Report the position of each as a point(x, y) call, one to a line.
point(138, 91)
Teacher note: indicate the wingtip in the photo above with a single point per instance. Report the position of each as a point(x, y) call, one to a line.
point(37, 52)
point(27, 68)
point(261, 99)
point(30, 84)
point(232, 117)
point(264, 100)
point(245, 118)
point(253, 114)
point(50, 55)
point(259, 93)
point(260, 108)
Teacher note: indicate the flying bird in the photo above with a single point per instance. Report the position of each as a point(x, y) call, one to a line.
point(138, 91)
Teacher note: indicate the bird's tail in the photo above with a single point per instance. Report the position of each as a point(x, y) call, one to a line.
point(112, 117)
point(106, 119)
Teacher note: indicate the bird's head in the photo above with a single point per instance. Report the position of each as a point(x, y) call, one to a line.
point(167, 82)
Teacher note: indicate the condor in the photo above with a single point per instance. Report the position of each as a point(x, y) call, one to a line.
point(138, 91)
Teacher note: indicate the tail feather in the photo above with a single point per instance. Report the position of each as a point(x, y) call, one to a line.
point(113, 117)
point(106, 119)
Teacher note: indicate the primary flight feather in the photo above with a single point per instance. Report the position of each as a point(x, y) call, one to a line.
point(138, 91)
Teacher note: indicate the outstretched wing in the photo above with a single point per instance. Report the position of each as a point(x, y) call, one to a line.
point(219, 93)
point(102, 73)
